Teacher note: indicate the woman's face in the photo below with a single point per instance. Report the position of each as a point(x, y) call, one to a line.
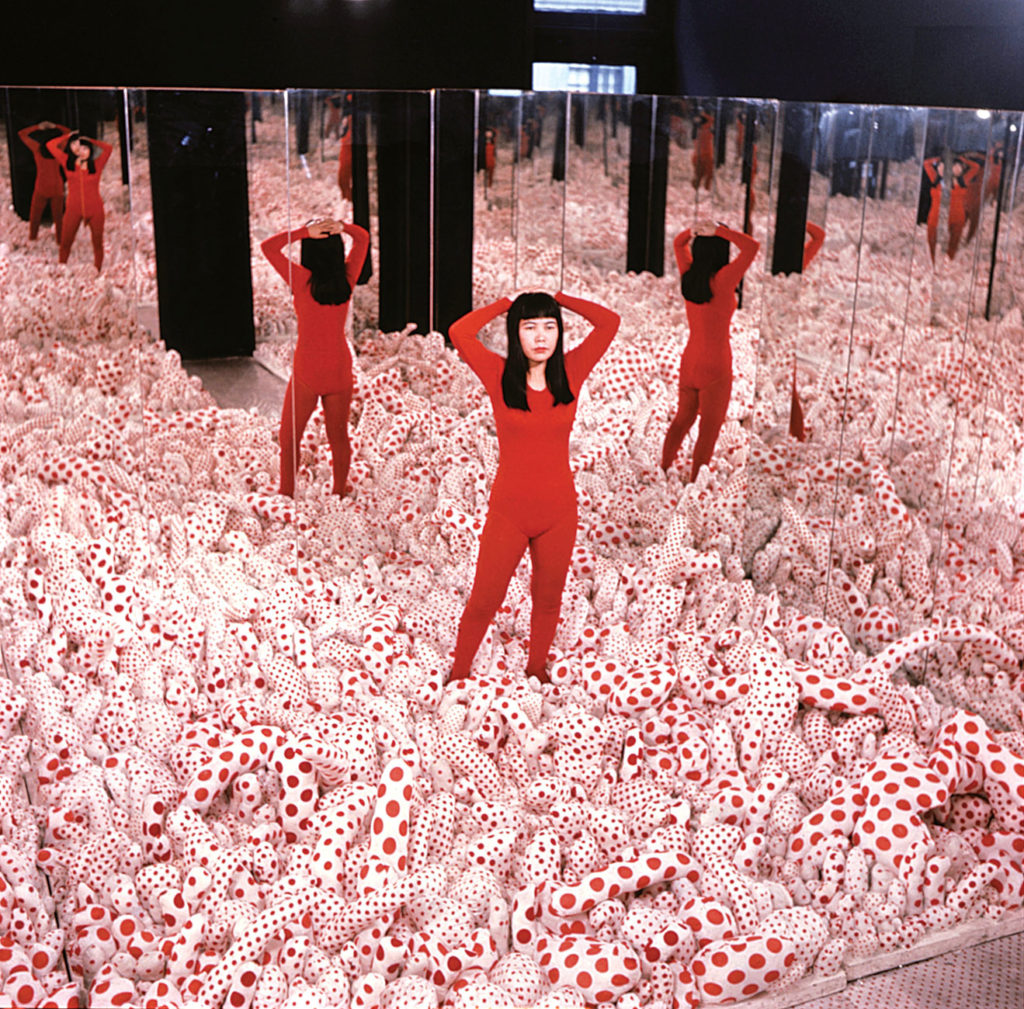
point(538, 338)
point(79, 149)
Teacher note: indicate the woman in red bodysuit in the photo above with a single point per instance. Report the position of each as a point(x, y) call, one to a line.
point(322, 368)
point(82, 159)
point(703, 149)
point(709, 282)
point(49, 185)
point(490, 159)
point(814, 243)
point(345, 152)
point(933, 173)
point(966, 176)
point(533, 500)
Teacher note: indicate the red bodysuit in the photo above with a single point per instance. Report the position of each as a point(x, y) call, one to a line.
point(322, 365)
point(968, 178)
point(812, 248)
point(49, 185)
point(345, 159)
point(704, 151)
point(974, 177)
point(933, 173)
point(533, 500)
point(84, 202)
point(705, 369)
point(490, 161)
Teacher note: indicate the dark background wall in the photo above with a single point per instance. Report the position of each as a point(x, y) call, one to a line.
point(919, 52)
point(934, 52)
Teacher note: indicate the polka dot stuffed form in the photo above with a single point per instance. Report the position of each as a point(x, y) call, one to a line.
point(732, 970)
point(897, 792)
point(623, 877)
point(1003, 768)
point(600, 972)
point(245, 753)
point(708, 919)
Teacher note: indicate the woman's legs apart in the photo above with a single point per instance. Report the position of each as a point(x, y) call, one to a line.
point(299, 404)
point(96, 227)
point(502, 544)
point(550, 554)
point(336, 411)
point(68, 230)
point(714, 405)
point(35, 214)
point(686, 414)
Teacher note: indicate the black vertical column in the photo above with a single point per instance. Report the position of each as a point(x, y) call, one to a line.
point(201, 221)
point(403, 188)
point(798, 123)
point(648, 185)
point(359, 107)
point(125, 139)
point(453, 206)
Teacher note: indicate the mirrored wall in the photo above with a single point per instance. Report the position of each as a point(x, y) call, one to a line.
point(878, 332)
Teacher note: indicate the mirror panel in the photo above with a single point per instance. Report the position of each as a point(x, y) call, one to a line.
point(597, 183)
point(495, 213)
point(547, 145)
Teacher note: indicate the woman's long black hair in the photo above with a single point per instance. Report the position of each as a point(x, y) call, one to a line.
point(72, 161)
point(535, 305)
point(43, 136)
point(710, 254)
point(325, 260)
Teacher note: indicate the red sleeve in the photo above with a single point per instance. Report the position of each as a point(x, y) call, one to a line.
point(273, 249)
point(681, 246)
point(357, 255)
point(462, 332)
point(732, 273)
point(606, 325)
point(56, 147)
point(931, 169)
point(813, 247)
point(23, 134)
point(104, 155)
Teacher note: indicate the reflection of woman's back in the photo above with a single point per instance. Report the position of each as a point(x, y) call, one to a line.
point(321, 288)
point(932, 172)
point(709, 282)
point(703, 150)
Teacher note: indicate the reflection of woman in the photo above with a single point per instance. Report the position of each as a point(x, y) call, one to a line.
point(333, 105)
point(709, 282)
point(48, 190)
point(82, 159)
point(490, 158)
point(345, 159)
point(973, 179)
point(966, 174)
point(703, 149)
point(815, 241)
point(322, 368)
point(533, 500)
point(933, 172)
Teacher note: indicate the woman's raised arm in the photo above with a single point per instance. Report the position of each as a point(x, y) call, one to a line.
point(357, 255)
point(605, 323)
point(463, 334)
point(732, 273)
point(273, 249)
point(681, 247)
